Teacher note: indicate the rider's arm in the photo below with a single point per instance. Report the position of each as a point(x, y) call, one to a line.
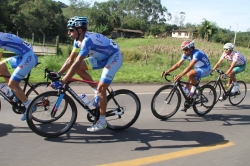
point(217, 64)
point(190, 67)
point(175, 66)
point(1, 53)
point(233, 64)
point(69, 61)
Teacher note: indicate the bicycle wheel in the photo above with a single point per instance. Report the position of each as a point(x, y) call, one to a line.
point(44, 105)
point(123, 109)
point(239, 96)
point(165, 104)
point(31, 93)
point(217, 88)
point(205, 101)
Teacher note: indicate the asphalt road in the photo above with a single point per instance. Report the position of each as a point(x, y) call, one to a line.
point(220, 138)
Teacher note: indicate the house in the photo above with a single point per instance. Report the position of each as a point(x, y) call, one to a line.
point(126, 33)
point(183, 33)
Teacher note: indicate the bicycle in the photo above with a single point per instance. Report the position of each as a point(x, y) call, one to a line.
point(34, 90)
point(234, 98)
point(123, 109)
point(167, 99)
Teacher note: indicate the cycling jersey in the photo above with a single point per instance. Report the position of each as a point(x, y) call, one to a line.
point(25, 59)
point(201, 58)
point(96, 45)
point(202, 65)
point(235, 56)
point(103, 52)
point(14, 44)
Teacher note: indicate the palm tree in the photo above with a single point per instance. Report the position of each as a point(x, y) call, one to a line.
point(207, 29)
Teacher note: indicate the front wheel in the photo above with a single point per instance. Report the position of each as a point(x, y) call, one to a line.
point(217, 88)
point(205, 101)
point(123, 109)
point(165, 102)
point(239, 96)
point(50, 107)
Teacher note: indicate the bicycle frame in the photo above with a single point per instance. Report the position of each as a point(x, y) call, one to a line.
point(67, 88)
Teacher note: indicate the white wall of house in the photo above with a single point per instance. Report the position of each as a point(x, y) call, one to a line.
point(180, 34)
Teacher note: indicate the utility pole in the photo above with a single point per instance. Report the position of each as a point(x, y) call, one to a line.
point(235, 34)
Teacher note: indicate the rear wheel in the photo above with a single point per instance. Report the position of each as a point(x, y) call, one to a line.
point(31, 93)
point(205, 101)
point(165, 102)
point(239, 96)
point(123, 109)
point(53, 121)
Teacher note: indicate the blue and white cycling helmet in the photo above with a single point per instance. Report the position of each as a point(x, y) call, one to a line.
point(78, 22)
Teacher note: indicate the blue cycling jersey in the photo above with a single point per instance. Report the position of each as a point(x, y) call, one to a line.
point(14, 44)
point(201, 58)
point(96, 45)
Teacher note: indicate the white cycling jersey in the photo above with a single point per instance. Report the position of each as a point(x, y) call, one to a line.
point(234, 56)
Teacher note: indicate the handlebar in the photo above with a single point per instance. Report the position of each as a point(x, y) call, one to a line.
point(167, 76)
point(51, 75)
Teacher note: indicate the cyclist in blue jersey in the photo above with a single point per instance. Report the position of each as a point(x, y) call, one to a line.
point(22, 63)
point(198, 67)
point(103, 53)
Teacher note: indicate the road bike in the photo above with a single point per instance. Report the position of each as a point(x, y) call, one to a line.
point(30, 89)
point(167, 100)
point(234, 98)
point(59, 111)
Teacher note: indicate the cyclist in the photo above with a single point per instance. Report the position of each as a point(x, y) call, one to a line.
point(25, 60)
point(103, 53)
point(238, 64)
point(198, 67)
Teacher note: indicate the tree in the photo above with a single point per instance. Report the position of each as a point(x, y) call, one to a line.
point(207, 29)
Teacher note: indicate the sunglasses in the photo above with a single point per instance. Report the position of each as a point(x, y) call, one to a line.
point(71, 30)
point(185, 49)
point(226, 49)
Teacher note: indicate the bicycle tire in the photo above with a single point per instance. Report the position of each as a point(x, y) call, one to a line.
point(159, 103)
point(122, 117)
point(55, 128)
point(206, 100)
point(242, 90)
point(33, 91)
point(217, 88)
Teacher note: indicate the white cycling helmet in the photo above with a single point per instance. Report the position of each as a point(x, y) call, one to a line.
point(229, 46)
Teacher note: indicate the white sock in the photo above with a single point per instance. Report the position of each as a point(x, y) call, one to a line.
point(26, 104)
point(102, 119)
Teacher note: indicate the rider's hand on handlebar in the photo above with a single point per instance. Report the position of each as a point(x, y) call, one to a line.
point(164, 73)
point(177, 78)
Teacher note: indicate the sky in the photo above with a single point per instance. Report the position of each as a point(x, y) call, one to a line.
point(229, 14)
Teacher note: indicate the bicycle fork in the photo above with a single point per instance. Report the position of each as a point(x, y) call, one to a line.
point(57, 104)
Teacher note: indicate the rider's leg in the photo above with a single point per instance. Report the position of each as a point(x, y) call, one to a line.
point(111, 67)
point(84, 75)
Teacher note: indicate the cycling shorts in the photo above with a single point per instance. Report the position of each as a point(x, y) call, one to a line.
point(21, 64)
point(110, 66)
point(239, 69)
point(202, 72)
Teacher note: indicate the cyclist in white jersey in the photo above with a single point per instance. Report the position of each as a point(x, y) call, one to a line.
point(198, 67)
point(238, 64)
point(103, 53)
point(22, 63)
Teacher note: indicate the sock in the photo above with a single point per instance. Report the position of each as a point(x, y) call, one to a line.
point(102, 119)
point(26, 103)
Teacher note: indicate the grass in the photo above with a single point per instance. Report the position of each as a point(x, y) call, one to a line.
point(144, 60)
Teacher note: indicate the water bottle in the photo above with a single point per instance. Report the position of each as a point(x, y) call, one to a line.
point(85, 99)
point(185, 89)
point(96, 101)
